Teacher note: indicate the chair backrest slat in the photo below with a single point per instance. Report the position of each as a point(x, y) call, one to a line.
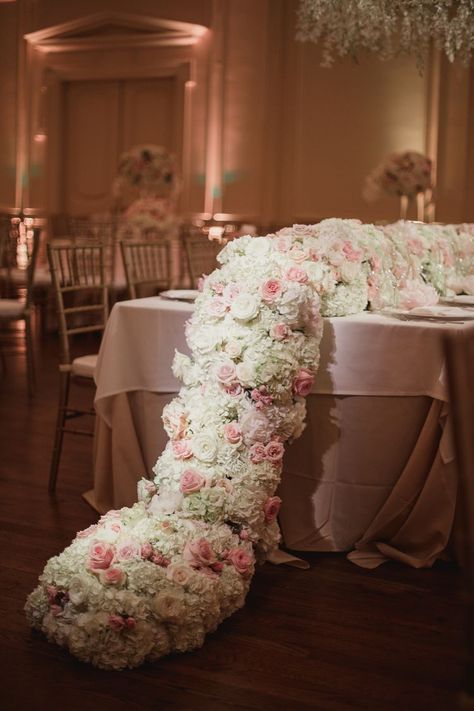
point(78, 273)
point(146, 264)
point(202, 255)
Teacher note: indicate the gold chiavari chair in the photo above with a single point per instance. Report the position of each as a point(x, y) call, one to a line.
point(81, 289)
point(202, 255)
point(147, 266)
point(20, 309)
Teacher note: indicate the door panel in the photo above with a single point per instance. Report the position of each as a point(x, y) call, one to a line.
point(148, 112)
point(91, 141)
point(102, 119)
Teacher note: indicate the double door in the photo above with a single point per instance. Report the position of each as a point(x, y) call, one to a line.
point(101, 119)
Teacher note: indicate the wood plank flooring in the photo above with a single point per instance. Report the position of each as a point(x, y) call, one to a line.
point(334, 637)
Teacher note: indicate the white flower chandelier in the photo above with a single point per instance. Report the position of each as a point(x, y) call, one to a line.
point(388, 27)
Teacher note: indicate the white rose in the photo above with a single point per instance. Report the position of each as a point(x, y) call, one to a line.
point(78, 589)
point(166, 502)
point(204, 447)
point(245, 307)
point(205, 339)
point(246, 374)
point(233, 349)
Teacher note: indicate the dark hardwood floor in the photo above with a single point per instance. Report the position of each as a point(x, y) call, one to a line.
point(332, 637)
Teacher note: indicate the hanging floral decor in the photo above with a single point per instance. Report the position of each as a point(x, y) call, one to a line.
point(387, 27)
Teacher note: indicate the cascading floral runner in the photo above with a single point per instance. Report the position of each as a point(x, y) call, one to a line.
point(156, 577)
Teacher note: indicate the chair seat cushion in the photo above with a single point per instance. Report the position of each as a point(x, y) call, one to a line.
point(84, 366)
point(11, 308)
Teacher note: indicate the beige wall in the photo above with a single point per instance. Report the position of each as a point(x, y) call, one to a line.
point(278, 137)
point(8, 98)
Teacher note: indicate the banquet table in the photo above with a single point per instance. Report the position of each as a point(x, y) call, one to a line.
point(373, 474)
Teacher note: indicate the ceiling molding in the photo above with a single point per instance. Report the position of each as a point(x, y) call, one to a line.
point(113, 30)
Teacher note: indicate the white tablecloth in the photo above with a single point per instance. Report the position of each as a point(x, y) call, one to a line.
point(373, 471)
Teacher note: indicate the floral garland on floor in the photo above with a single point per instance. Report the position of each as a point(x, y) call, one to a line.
point(156, 577)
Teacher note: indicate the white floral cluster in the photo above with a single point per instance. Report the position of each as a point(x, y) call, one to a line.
point(385, 28)
point(158, 576)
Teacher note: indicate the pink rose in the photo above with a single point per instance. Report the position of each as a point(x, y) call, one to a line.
point(159, 559)
point(87, 531)
point(174, 423)
point(217, 307)
point(297, 274)
point(101, 555)
point(226, 373)
point(218, 288)
point(244, 534)
point(256, 427)
point(231, 291)
point(146, 551)
point(271, 290)
point(313, 255)
point(280, 331)
point(129, 550)
point(199, 553)
point(351, 254)
point(271, 508)
point(283, 243)
point(241, 560)
point(233, 433)
point(261, 396)
point(298, 253)
point(257, 453)
point(112, 576)
point(234, 389)
point(274, 451)
point(191, 481)
point(116, 622)
point(182, 448)
point(303, 382)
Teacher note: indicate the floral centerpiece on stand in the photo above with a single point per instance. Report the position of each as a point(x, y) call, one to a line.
point(146, 189)
point(407, 175)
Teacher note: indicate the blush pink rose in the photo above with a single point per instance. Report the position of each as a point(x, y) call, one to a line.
point(261, 396)
point(241, 560)
point(257, 453)
point(218, 288)
point(298, 253)
point(226, 373)
point(101, 555)
point(256, 427)
point(271, 508)
point(233, 433)
point(350, 253)
point(274, 452)
point(87, 531)
point(280, 331)
point(234, 389)
point(182, 448)
point(283, 243)
point(231, 291)
point(129, 550)
point(199, 553)
point(159, 559)
point(112, 576)
point(271, 290)
point(297, 274)
point(303, 382)
point(191, 481)
point(217, 307)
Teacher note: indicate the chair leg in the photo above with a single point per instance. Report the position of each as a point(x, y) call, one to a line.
point(58, 437)
point(30, 357)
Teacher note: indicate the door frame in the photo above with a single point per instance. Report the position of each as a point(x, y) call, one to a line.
point(134, 47)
